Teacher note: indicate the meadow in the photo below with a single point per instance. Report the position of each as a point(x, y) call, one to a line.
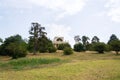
point(56, 66)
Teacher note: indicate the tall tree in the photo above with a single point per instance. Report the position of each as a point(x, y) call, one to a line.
point(100, 47)
point(1, 41)
point(77, 39)
point(85, 41)
point(115, 46)
point(36, 32)
point(95, 39)
point(78, 47)
point(113, 37)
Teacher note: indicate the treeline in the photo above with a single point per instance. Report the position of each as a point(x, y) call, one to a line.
point(84, 44)
point(15, 46)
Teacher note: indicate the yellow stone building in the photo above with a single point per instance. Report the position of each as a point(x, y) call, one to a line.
point(58, 40)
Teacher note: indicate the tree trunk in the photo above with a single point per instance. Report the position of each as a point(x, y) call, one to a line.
point(35, 47)
point(117, 52)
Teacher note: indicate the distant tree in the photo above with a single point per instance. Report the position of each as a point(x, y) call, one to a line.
point(79, 47)
point(45, 44)
point(77, 39)
point(11, 39)
point(1, 41)
point(95, 39)
point(14, 46)
point(108, 48)
point(63, 46)
point(67, 51)
point(36, 32)
point(17, 50)
point(30, 46)
point(89, 47)
point(115, 46)
point(100, 47)
point(112, 38)
point(52, 49)
point(85, 41)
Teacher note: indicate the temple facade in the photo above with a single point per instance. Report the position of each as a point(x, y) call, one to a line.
point(58, 40)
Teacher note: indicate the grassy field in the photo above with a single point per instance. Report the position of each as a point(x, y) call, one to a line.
point(56, 66)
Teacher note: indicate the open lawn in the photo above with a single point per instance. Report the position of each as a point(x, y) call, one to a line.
point(56, 66)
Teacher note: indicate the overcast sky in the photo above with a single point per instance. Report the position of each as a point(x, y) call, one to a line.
point(65, 18)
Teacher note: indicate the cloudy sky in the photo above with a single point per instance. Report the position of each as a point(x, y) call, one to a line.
point(65, 18)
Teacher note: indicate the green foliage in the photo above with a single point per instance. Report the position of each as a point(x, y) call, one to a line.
point(1, 41)
point(17, 50)
point(85, 41)
point(63, 46)
point(52, 49)
point(68, 51)
point(108, 48)
point(60, 47)
point(30, 46)
point(14, 46)
point(38, 40)
point(100, 47)
point(95, 39)
point(115, 45)
point(89, 47)
point(45, 44)
point(36, 32)
point(112, 38)
point(78, 47)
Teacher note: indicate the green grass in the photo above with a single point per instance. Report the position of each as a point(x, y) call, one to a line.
point(78, 66)
point(28, 63)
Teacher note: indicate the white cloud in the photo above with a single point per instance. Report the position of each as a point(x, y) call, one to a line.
point(21, 4)
point(114, 9)
point(64, 7)
point(61, 31)
point(61, 7)
point(58, 30)
point(100, 14)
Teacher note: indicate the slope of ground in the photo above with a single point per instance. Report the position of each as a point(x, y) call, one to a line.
point(79, 66)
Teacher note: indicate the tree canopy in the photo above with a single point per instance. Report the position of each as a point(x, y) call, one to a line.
point(115, 45)
point(14, 46)
point(100, 47)
point(95, 39)
point(112, 38)
point(36, 32)
point(38, 41)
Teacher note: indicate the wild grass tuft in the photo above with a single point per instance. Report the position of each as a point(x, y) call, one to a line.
point(28, 63)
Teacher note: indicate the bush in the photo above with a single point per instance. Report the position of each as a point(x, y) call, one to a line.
point(18, 54)
point(100, 47)
point(63, 46)
point(60, 47)
point(45, 45)
point(68, 51)
point(16, 50)
point(78, 47)
point(52, 49)
point(14, 46)
point(115, 45)
point(43, 49)
point(108, 48)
